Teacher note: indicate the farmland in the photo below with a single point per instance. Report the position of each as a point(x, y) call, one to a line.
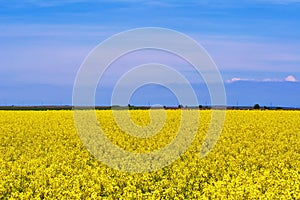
point(256, 157)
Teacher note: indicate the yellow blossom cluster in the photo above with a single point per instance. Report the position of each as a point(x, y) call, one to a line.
point(256, 157)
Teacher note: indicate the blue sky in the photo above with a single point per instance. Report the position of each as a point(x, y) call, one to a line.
point(255, 44)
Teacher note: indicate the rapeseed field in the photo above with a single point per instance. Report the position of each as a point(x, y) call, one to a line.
point(257, 156)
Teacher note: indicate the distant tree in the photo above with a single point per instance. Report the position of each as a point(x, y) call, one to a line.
point(256, 106)
point(130, 106)
point(200, 106)
point(180, 106)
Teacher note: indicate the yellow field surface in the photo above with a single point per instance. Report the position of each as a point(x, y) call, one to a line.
point(256, 157)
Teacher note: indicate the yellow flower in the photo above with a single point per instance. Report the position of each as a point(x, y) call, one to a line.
point(256, 157)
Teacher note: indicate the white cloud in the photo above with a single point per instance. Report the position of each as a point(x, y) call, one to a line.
point(236, 79)
point(289, 78)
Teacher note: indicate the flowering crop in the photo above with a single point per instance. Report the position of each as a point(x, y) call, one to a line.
point(256, 157)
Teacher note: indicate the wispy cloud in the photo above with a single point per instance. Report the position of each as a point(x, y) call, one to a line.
point(289, 78)
point(278, 1)
point(40, 3)
point(156, 3)
point(252, 53)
